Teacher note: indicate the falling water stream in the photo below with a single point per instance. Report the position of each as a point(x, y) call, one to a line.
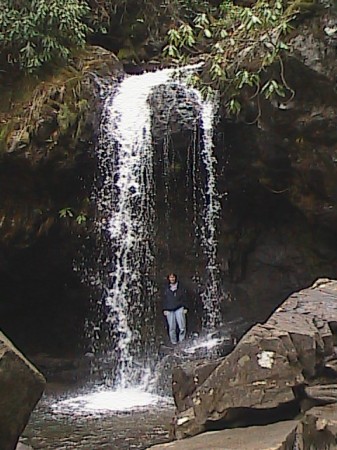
point(126, 201)
point(125, 197)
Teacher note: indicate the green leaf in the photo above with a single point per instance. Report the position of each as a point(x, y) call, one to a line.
point(207, 33)
point(81, 218)
point(234, 106)
point(66, 212)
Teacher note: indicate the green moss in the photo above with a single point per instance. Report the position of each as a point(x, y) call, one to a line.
point(4, 131)
point(126, 53)
point(50, 111)
point(66, 118)
point(82, 105)
point(303, 6)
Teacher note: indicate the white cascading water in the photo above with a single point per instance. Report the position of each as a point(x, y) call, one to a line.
point(211, 295)
point(125, 198)
point(126, 203)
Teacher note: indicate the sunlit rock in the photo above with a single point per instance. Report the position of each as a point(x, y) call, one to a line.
point(276, 436)
point(186, 378)
point(317, 429)
point(270, 371)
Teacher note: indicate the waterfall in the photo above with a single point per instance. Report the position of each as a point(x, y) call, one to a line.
point(126, 196)
point(211, 294)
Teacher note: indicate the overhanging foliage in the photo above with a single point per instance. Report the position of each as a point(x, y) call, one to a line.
point(237, 44)
point(33, 32)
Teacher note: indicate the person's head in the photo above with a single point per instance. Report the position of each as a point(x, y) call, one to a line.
point(172, 278)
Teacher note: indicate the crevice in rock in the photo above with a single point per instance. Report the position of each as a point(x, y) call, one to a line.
point(246, 417)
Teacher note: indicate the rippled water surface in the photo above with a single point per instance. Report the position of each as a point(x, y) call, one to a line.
point(96, 417)
point(76, 421)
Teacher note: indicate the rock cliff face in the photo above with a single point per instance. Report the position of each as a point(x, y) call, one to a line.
point(279, 175)
point(47, 134)
point(276, 172)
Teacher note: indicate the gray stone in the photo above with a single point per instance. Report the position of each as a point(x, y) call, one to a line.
point(278, 436)
point(275, 365)
point(185, 379)
point(23, 446)
point(317, 429)
point(21, 386)
point(326, 393)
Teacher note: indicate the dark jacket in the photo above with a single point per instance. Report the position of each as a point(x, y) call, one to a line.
point(174, 300)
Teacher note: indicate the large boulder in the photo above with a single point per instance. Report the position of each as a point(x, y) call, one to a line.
point(21, 386)
point(277, 368)
point(317, 429)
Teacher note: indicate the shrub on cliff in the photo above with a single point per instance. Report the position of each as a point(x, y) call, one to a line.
point(237, 44)
point(33, 32)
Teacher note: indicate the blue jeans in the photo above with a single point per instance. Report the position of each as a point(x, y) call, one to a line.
point(175, 318)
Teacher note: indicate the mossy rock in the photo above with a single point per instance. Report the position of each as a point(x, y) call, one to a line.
point(40, 111)
point(46, 129)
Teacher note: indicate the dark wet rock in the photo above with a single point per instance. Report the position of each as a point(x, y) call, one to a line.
point(21, 386)
point(275, 366)
point(314, 45)
point(47, 138)
point(193, 359)
point(63, 370)
point(280, 205)
point(163, 372)
point(174, 108)
point(46, 141)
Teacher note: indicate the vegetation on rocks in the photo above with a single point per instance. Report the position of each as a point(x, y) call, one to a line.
point(38, 31)
point(42, 117)
point(237, 40)
point(238, 45)
point(45, 126)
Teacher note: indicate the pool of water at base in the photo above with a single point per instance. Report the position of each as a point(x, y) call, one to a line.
point(129, 430)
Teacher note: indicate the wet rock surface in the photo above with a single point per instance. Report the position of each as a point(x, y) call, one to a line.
point(182, 364)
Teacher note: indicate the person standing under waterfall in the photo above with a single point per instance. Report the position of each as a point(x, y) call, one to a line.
point(174, 308)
